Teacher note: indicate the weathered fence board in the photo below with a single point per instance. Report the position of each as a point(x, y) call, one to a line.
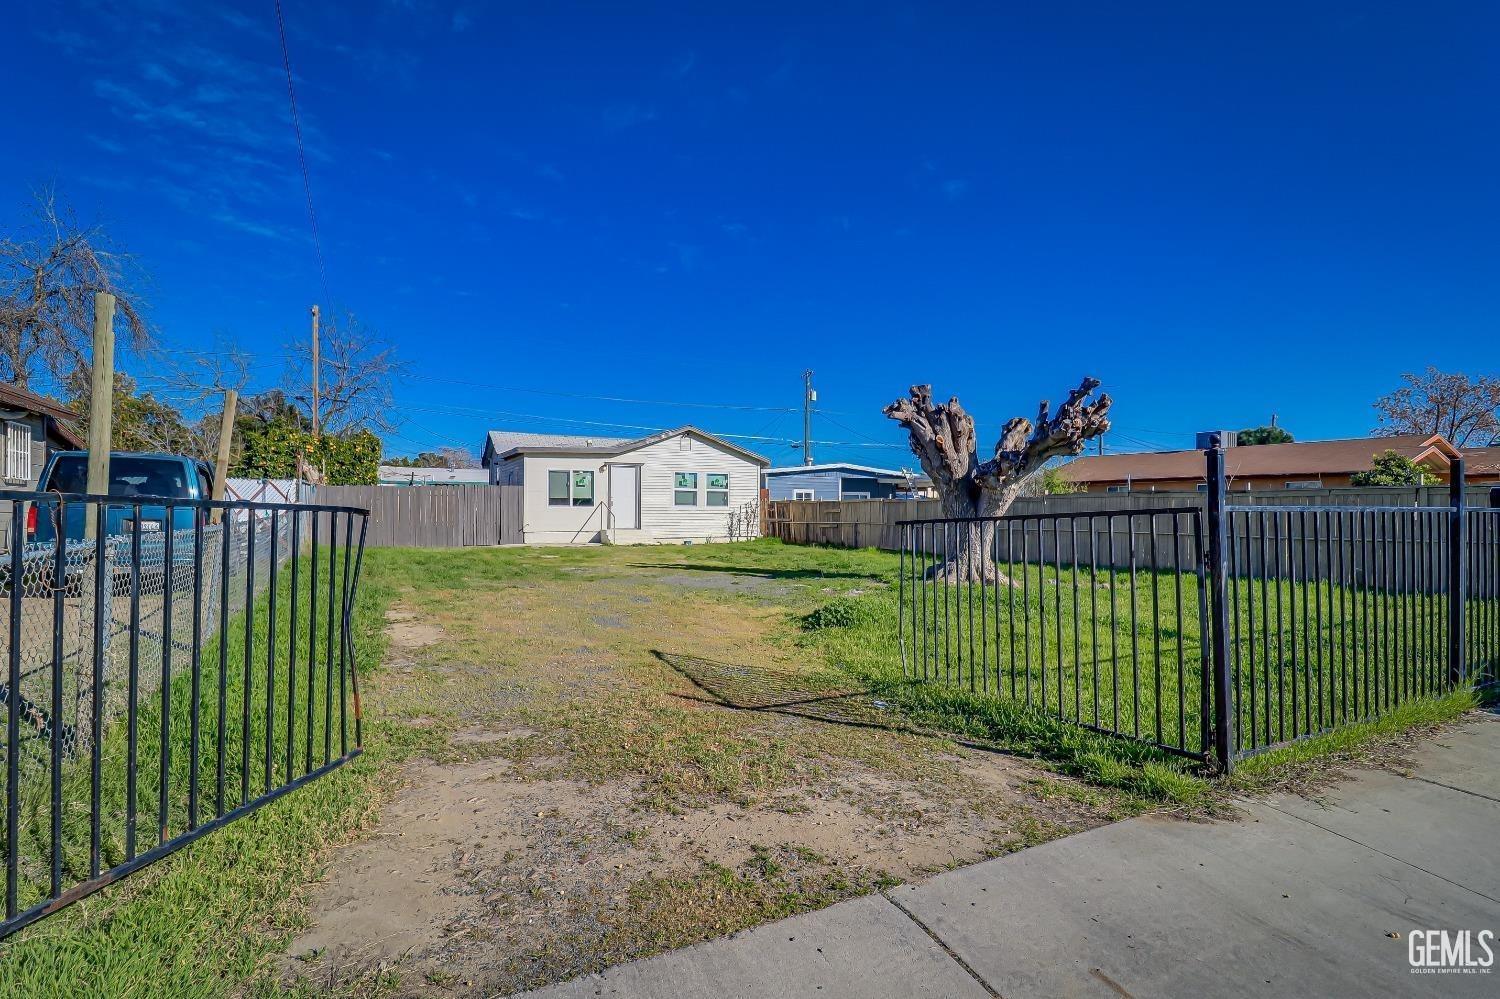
point(873, 523)
point(434, 516)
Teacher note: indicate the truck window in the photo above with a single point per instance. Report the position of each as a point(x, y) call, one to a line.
point(127, 476)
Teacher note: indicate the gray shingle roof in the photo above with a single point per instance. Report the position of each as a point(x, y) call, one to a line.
point(502, 441)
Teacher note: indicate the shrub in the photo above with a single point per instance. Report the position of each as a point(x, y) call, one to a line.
point(840, 612)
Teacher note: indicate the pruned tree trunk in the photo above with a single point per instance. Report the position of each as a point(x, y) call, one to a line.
point(943, 439)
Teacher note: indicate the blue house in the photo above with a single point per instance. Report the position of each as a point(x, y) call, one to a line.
point(843, 482)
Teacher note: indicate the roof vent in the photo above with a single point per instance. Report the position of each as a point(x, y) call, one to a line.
point(1221, 438)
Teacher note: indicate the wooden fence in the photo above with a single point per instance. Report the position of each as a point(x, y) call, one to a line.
point(434, 516)
point(872, 523)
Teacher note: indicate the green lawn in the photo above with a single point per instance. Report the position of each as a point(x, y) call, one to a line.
point(1125, 652)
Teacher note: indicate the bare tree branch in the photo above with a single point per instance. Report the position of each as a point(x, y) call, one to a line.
point(49, 272)
point(1462, 409)
point(357, 370)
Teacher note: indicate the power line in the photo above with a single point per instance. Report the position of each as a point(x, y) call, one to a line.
point(291, 95)
point(857, 433)
point(609, 398)
point(542, 418)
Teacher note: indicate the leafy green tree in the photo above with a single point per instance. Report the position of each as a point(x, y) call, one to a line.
point(1054, 483)
point(272, 452)
point(141, 421)
point(1252, 436)
point(1392, 469)
point(448, 457)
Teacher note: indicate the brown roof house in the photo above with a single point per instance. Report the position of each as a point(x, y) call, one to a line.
point(1309, 465)
point(34, 426)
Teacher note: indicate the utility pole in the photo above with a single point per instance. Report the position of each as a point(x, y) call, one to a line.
point(226, 438)
point(316, 365)
point(101, 401)
point(809, 396)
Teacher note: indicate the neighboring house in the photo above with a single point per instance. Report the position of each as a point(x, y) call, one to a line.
point(1304, 465)
point(840, 481)
point(34, 426)
point(397, 475)
point(1482, 464)
point(680, 485)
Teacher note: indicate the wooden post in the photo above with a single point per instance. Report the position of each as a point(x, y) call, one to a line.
point(316, 364)
point(226, 439)
point(101, 401)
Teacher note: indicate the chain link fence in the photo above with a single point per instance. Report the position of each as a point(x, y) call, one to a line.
point(190, 562)
point(151, 669)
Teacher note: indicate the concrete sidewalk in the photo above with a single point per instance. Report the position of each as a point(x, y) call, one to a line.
point(1295, 898)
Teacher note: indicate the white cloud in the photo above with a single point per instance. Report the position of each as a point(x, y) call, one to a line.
point(619, 117)
point(157, 73)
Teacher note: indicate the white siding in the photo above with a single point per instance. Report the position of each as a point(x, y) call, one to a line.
point(661, 518)
point(560, 525)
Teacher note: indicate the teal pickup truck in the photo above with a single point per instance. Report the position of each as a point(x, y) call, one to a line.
point(134, 477)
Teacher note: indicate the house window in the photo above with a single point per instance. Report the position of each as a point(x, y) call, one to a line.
point(716, 492)
point(1305, 484)
point(1119, 489)
point(570, 487)
point(853, 496)
point(1203, 487)
point(583, 488)
point(803, 494)
point(17, 451)
point(685, 489)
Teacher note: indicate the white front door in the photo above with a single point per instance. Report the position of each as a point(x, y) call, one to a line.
point(625, 496)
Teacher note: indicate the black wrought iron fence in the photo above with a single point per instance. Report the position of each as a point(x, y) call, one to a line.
point(1214, 632)
point(1335, 616)
point(170, 666)
point(1093, 618)
point(1482, 607)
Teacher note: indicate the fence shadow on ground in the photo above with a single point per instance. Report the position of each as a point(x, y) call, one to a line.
point(765, 572)
point(752, 688)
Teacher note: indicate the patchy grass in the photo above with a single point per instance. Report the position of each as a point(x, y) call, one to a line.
point(679, 743)
point(676, 753)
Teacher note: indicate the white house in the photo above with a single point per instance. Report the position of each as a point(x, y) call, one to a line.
point(681, 485)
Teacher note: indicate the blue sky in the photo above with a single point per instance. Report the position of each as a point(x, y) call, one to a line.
point(1223, 211)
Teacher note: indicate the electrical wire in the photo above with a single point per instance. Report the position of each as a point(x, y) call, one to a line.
point(608, 398)
point(291, 95)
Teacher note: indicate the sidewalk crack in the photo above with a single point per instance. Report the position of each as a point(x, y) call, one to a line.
point(1390, 856)
point(989, 990)
point(1452, 787)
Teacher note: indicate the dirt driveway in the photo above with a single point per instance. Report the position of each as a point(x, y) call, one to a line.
point(619, 751)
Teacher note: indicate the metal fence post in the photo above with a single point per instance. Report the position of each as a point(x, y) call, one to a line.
point(1458, 530)
point(1218, 571)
